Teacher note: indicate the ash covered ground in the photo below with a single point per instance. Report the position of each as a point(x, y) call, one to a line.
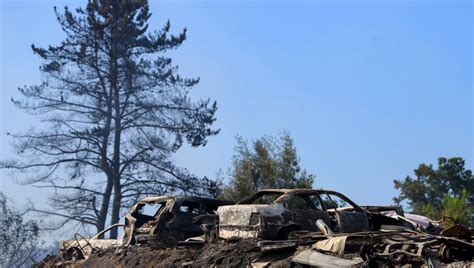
point(239, 253)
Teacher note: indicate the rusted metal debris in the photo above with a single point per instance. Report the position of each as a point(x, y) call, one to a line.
point(417, 248)
point(80, 247)
point(314, 258)
point(395, 248)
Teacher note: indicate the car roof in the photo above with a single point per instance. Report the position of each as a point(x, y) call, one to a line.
point(296, 191)
point(203, 199)
point(162, 198)
point(152, 199)
point(286, 192)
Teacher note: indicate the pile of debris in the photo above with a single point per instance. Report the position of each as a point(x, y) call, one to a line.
point(387, 248)
point(275, 227)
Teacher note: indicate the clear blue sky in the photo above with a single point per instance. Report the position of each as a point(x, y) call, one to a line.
point(368, 89)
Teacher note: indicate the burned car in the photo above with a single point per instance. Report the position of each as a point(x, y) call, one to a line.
point(167, 219)
point(275, 213)
point(161, 220)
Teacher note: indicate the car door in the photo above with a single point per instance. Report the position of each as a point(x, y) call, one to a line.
point(348, 217)
point(184, 221)
point(306, 210)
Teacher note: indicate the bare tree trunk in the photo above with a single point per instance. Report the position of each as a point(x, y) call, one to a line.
point(102, 218)
point(117, 200)
point(116, 204)
point(105, 205)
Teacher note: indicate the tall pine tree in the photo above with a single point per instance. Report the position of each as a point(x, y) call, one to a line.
point(114, 109)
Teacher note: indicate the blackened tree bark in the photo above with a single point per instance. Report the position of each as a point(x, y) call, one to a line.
point(114, 111)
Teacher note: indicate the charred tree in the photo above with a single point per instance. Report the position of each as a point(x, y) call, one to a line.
point(114, 110)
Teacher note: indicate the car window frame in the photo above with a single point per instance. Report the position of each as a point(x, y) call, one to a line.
point(249, 200)
point(341, 196)
point(200, 207)
point(305, 197)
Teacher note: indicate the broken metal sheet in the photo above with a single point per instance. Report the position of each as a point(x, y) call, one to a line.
point(333, 244)
point(458, 231)
point(414, 219)
point(82, 247)
point(385, 209)
point(315, 258)
point(420, 220)
point(200, 238)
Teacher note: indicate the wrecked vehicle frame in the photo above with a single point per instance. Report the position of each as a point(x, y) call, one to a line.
point(275, 213)
point(170, 221)
point(162, 220)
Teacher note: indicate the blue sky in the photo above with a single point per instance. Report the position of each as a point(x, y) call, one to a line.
point(368, 89)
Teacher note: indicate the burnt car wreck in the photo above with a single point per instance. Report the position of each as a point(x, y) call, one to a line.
point(163, 220)
point(275, 213)
point(326, 228)
point(167, 219)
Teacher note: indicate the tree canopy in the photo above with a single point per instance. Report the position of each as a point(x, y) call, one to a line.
point(444, 191)
point(269, 163)
point(113, 110)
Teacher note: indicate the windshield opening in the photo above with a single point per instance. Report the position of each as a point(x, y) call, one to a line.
point(264, 198)
point(332, 201)
point(150, 209)
point(306, 201)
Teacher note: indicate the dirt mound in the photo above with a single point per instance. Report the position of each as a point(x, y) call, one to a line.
point(239, 253)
